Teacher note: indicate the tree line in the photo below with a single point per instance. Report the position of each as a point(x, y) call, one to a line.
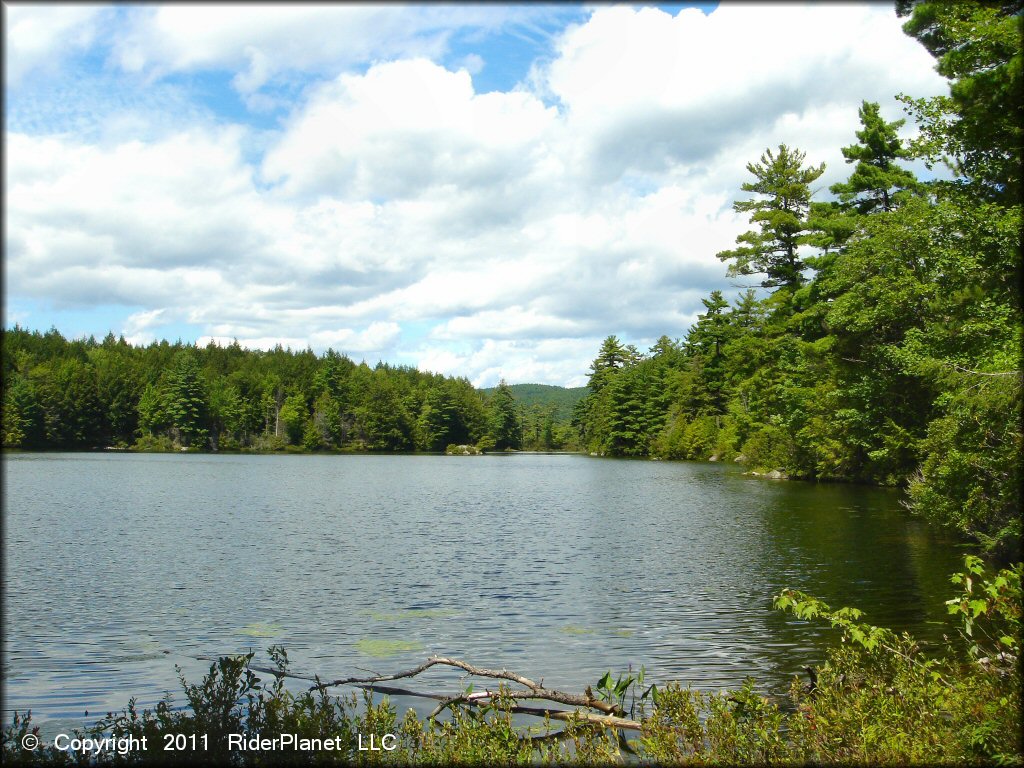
point(884, 345)
point(84, 393)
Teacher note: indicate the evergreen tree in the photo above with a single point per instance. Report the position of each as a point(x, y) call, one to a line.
point(876, 179)
point(709, 332)
point(70, 404)
point(185, 403)
point(439, 424)
point(781, 216)
point(747, 314)
point(118, 389)
point(611, 357)
point(22, 416)
point(505, 428)
point(979, 127)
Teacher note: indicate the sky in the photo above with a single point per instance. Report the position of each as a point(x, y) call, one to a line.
point(479, 190)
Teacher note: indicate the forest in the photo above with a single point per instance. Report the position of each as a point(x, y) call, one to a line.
point(84, 394)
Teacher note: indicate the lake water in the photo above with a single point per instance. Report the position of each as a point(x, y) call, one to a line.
point(119, 566)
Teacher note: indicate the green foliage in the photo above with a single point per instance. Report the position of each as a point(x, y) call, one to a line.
point(697, 439)
point(184, 400)
point(444, 419)
point(545, 396)
point(989, 607)
point(22, 416)
point(610, 358)
point(69, 400)
point(153, 444)
point(545, 413)
point(728, 728)
point(971, 477)
point(879, 699)
point(977, 128)
point(770, 447)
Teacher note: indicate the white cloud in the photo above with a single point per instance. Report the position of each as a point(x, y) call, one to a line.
point(402, 129)
point(266, 41)
point(547, 360)
point(511, 234)
point(39, 37)
point(376, 338)
point(648, 92)
point(139, 327)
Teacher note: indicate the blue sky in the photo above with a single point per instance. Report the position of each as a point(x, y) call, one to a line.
point(482, 190)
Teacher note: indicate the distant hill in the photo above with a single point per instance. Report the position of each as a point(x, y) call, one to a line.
point(563, 398)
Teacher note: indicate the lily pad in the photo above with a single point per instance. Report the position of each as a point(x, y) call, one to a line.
point(259, 629)
point(569, 629)
point(382, 649)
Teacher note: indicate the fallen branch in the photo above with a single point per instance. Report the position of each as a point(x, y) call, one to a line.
point(535, 690)
point(612, 716)
point(482, 698)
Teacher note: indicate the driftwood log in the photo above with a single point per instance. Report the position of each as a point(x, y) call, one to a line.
point(601, 712)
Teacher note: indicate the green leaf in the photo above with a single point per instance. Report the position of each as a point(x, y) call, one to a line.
point(979, 607)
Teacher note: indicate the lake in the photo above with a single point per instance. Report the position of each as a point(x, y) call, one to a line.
point(119, 566)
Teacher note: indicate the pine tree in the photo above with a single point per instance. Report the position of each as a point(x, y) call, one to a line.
point(185, 402)
point(876, 179)
point(711, 328)
point(979, 127)
point(439, 424)
point(781, 216)
point(611, 357)
point(504, 418)
point(22, 418)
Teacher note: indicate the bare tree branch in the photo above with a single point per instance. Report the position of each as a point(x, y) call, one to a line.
point(536, 690)
point(611, 714)
point(483, 697)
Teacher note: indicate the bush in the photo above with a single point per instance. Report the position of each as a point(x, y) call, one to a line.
point(269, 443)
point(769, 448)
point(154, 444)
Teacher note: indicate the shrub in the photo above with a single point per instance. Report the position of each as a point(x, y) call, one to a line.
point(154, 444)
point(770, 448)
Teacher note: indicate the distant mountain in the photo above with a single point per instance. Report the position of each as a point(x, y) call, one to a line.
point(563, 398)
